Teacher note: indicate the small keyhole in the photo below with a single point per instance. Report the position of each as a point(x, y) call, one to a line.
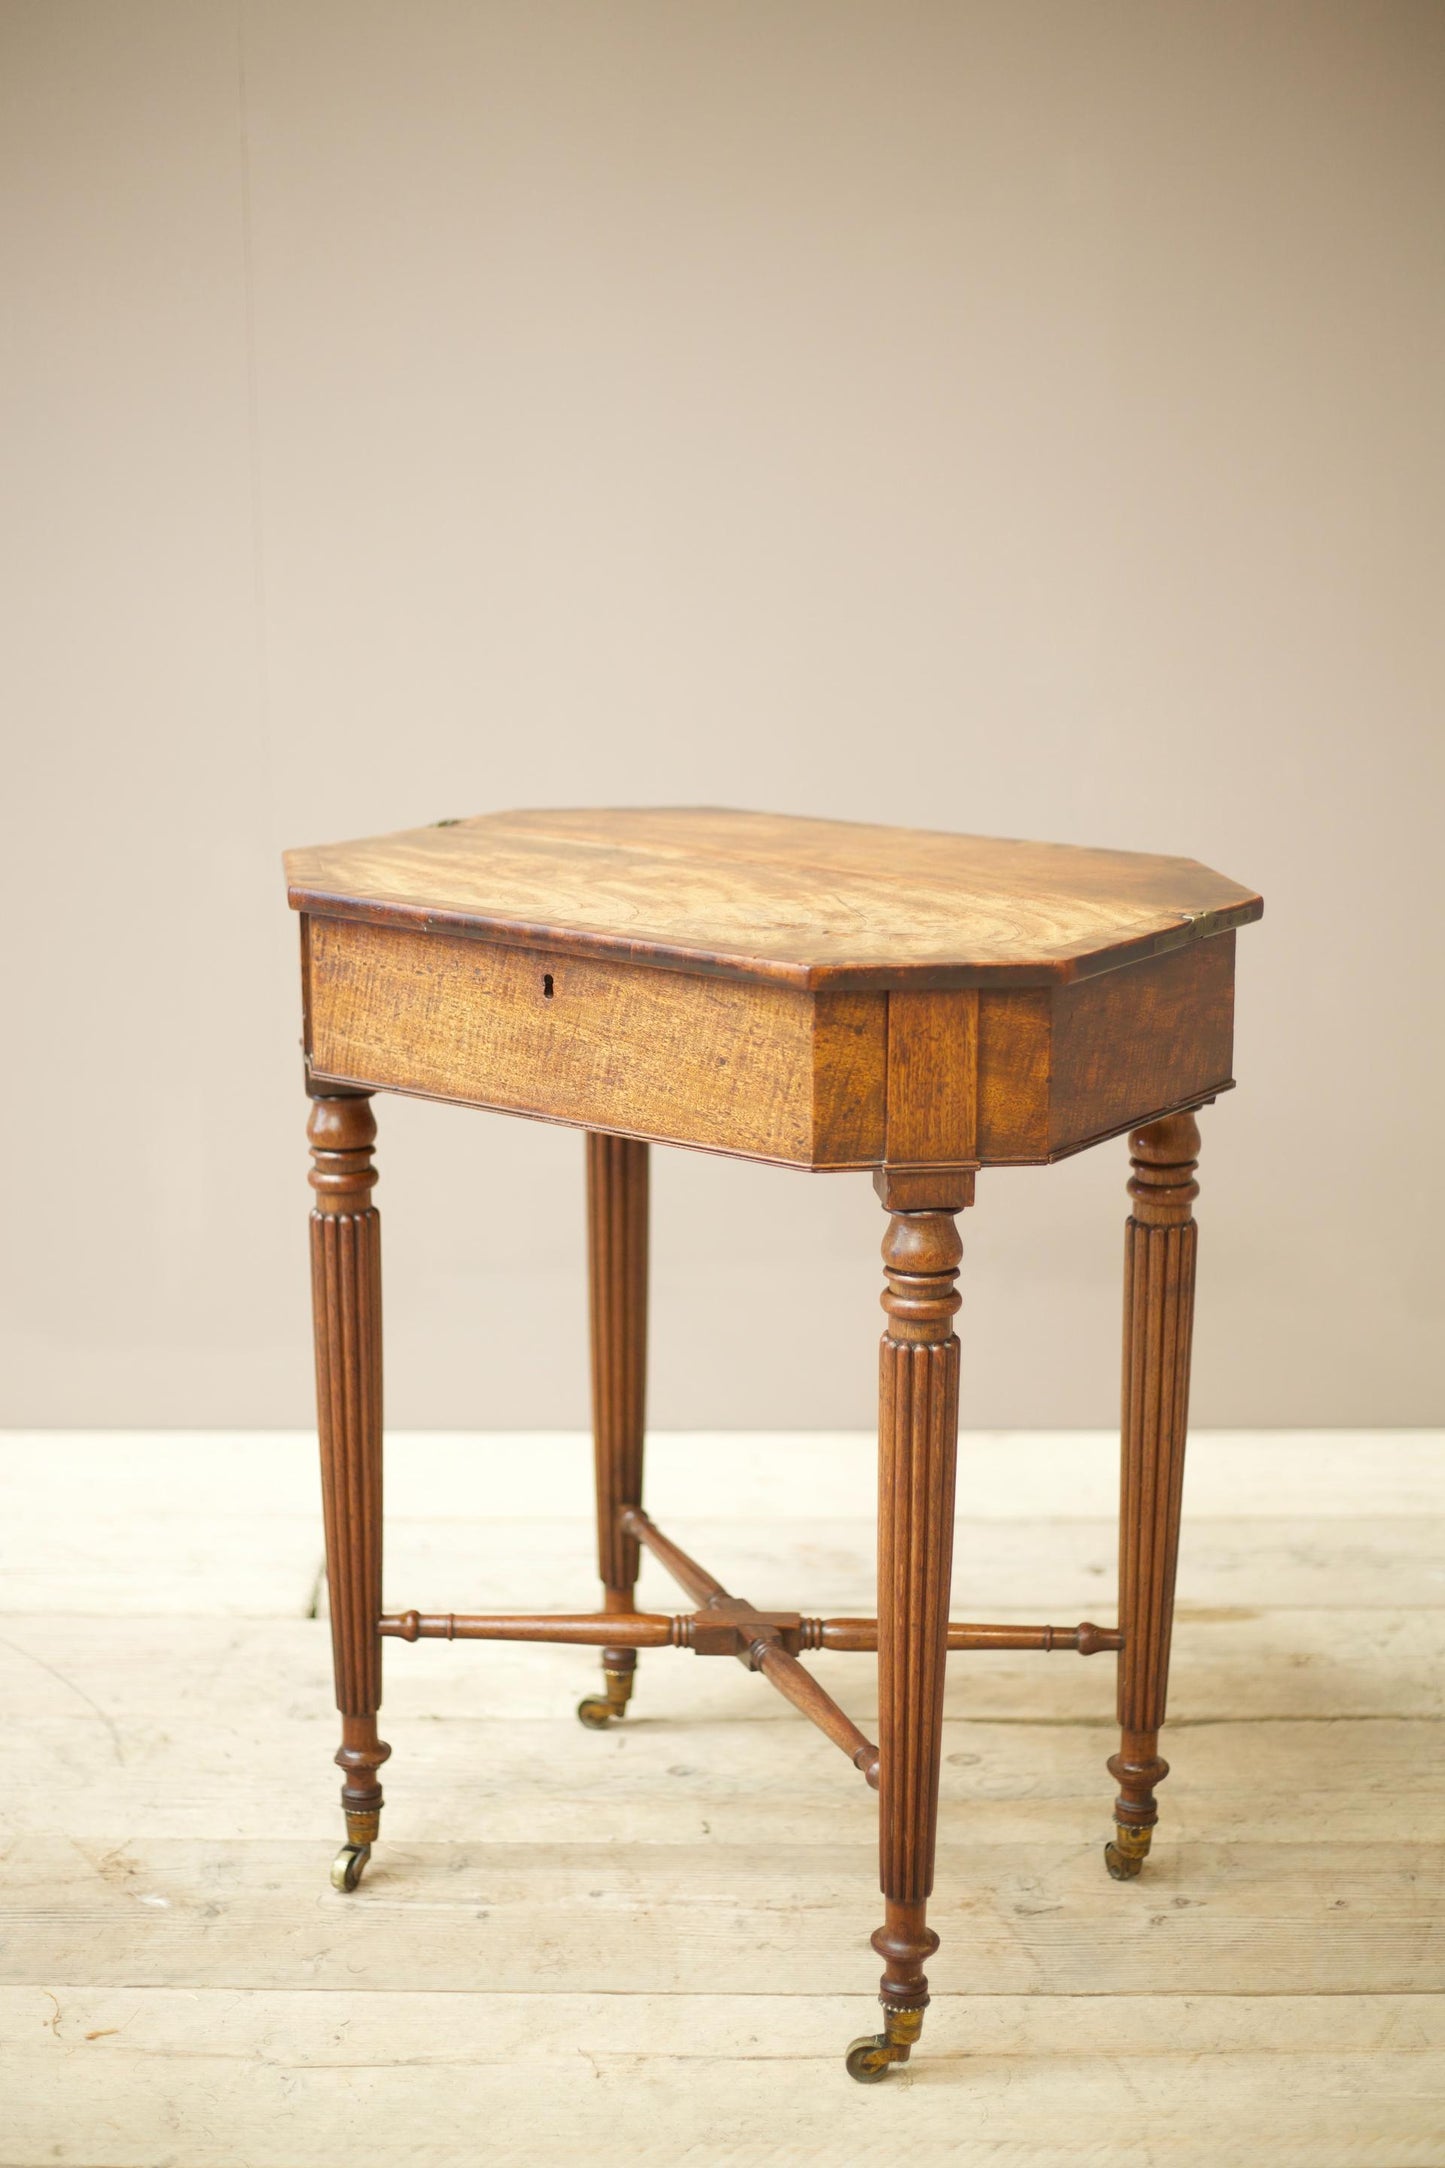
point(547, 987)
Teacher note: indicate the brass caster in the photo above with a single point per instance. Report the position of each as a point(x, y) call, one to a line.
point(346, 1868)
point(598, 1711)
point(1126, 1852)
point(870, 2058)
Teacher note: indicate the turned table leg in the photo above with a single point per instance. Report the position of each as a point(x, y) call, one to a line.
point(917, 1454)
point(617, 1283)
point(346, 1309)
point(1159, 1246)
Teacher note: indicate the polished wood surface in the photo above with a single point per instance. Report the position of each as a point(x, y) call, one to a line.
point(346, 1307)
point(917, 1450)
point(1159, 1252)
point(763, 1071)
point(1068, 1067)
point(679, 1630)
point(617, 1213)
point(763, 1641)
point(811, 903)
point(932, 1079)
point(999, 1078)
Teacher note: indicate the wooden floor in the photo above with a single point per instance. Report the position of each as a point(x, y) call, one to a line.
point(651, 1946)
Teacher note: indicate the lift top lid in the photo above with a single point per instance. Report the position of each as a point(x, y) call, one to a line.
point(817, 904)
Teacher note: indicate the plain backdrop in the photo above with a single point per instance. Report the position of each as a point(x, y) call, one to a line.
point(1022, 417)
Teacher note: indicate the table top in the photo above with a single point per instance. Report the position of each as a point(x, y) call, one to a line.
point(811, 903)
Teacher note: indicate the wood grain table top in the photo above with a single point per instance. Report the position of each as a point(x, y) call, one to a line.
point(811, 903)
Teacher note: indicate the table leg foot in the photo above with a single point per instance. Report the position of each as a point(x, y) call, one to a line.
point(870, 2058)
point(1127, 1851)
point(347, 1867)
point(599, 1711)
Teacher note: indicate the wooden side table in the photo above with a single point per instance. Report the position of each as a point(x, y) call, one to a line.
point(816, 994)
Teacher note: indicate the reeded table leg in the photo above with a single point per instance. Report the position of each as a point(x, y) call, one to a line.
point(917, 1453)
point(1159, 1246)
point(346, 1308)
point(617, 1279)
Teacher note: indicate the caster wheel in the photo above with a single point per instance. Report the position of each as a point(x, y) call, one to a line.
point(346, 1868)
point(1121, 1865)
point(598, 1710)
point(868, 2059)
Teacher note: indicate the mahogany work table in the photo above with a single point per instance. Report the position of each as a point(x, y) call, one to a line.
point(815, 994)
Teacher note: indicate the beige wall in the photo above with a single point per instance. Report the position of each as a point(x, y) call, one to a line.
point(1001, 416)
